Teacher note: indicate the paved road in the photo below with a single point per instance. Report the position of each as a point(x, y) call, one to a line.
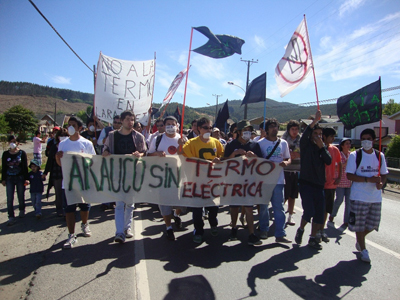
point(151, 267)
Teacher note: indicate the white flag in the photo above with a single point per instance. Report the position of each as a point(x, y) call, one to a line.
point(174, 86)
point(295, 65)
point(123, 85)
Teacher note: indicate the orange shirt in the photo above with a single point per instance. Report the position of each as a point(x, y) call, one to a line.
point(332, 171)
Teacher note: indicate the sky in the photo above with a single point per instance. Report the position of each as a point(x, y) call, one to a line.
point(353, 42)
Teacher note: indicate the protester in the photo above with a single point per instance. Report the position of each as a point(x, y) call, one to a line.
point(167, 144)
point(106, 130)
point(75, 143)
point(55, 171)
point(159, 124)
point(343, 188)
point(368, 178)
point(37, 146)
point(313, 157)
point(206, 147)
point(125, 141)
point(36, 187)
point(276, 150)
point(238, 147)
point(14, 174)
point(92, 134)
point(194, 132)
point(137, 126)
point(291, 191)
point(333, 174)
point(50, 141)
point(216, 133)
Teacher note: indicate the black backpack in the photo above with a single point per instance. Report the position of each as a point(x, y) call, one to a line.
point(158, 140)
point(359, 157)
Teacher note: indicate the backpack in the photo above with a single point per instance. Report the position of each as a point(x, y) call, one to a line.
point(158, 140)
point(359, 157)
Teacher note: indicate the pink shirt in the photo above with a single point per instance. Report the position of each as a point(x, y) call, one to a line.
point(37, 145)
point(344, 182)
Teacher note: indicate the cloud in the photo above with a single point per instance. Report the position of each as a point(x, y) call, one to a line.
point(260, 43)
point(61, 79)
point(349, 6)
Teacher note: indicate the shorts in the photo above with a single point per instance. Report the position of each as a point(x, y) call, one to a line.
point(313, 202)
point(72, 207)
point(329, 200)
point(166, 210)
point(291, 185)
point(364, 216)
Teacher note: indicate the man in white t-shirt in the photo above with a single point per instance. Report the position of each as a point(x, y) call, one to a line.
point(276, 150)
point(167, 144)
point(366, 190)
point(78, 144)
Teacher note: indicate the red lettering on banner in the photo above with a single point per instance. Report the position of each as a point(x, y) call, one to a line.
point(212, 190)
point(225, 185)
point(247, 164)
point(186, 189)
point(212, 168)
point(198, 163)
point(250, 187)
point(258, 168)
point(205, 191)
point(194, 191)
point(259, 188)
point(236, 189)
point(235, 164)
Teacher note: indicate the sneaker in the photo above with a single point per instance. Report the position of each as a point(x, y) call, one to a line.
point(263, 235)
point(365, 256)
point(119, 238)
point(299, 236)
point(86, 230)
point(198, 239)
point(38, 216)
point(314, 244)
point(233, 236)
point(282, 239)
point(128, 233)
point(170, 234)
point(324, 237)
point(11, 221)
point(254, 240)
point(178, 222)
point(21, 213)
point(71, 241)
point(358, 247)
point(214, 231)
point(290, 220)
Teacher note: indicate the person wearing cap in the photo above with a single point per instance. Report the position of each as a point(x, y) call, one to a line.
point(242, 145)
point(217, 135)
point(13, 174)
point(343, 188)
point(50, 141)
point(276, 150)
point(36, 187)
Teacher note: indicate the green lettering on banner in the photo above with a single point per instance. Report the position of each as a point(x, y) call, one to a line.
point(156, 176)
point(124, 176)
point(375, 110)
point(75, 173)
point(119, 175)
point(353, 104)
point(375, 98)
point(172, 177)
point(142, 176)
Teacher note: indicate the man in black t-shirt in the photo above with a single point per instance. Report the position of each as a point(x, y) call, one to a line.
point(238, 147)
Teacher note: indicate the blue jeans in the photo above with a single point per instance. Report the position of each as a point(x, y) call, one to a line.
point(340, 194)
point(197, 213)
point(36, 199)
point(12, 182)
point(279, 212)
point(123, 216)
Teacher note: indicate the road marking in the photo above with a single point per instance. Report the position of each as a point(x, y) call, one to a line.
point(142, 280)
point(371, 243)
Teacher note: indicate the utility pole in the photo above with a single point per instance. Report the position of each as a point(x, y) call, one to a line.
point(216, 107)
point(249, 63)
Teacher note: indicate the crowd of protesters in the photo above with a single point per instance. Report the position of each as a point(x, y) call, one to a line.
point(322, 173)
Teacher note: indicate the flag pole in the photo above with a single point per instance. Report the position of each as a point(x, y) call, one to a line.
point(152, 95)
point(380, 134)
point(309, 46)
point(265, 103)
point(187, 75)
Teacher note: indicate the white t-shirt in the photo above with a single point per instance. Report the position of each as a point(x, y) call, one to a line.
point(369, 165)
point(169, 145)
point(81, 145)
point(281, 153)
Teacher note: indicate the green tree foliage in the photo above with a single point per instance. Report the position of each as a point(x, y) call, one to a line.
point(4, 125)
point(393, 149)
point(21, 120)
point(391, 108)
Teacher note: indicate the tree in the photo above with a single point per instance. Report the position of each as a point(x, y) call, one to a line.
point(21, 120)
point(393, 149)
point(3, 125)
point(391, 108)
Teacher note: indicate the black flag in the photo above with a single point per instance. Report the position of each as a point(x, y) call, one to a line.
point(256, 91)
point(222, 117)
point(364, 106)
point(219, 45)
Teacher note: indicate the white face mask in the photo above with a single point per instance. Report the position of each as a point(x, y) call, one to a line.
point(13, 145)
point(366, 144)
point(246, 135)
point(207, 135)
point(170, 129)
point(91, 128)
point(71, 130)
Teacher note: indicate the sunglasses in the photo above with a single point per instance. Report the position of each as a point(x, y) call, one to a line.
point(206, 128)
point(162, 125)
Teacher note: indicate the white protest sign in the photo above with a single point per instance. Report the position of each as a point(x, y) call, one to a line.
point(123, 85)
point(172, 180)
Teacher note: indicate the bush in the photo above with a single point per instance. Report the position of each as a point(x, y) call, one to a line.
point(393, 149)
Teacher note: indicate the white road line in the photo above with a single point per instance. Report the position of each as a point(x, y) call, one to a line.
point(142, 281)
point(375, 245)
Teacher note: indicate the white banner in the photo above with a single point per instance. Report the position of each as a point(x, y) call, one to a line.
point(174, 86)
point(172, 180)
point(123, 85)
point(295, 65)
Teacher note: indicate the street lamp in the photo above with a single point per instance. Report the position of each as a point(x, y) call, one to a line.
point(231, 83)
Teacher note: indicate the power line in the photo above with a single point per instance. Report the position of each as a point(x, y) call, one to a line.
point(59, 35)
